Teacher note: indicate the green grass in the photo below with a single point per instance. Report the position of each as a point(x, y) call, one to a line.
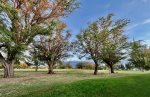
point(133, 86)
point(76, 83)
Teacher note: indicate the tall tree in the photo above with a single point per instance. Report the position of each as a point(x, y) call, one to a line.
point(115, 43)
point(103, 41)
point(22, 20)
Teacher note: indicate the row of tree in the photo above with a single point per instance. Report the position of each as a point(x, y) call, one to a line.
point(34, 28)
point(104, 41)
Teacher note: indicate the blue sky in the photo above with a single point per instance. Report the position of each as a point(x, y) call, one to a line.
point(137, 11)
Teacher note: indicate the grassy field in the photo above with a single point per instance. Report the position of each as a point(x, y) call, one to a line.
point(76, 83)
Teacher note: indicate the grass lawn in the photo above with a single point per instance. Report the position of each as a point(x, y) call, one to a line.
point(76, 83)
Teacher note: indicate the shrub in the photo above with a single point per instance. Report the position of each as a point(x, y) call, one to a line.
point(23, 66)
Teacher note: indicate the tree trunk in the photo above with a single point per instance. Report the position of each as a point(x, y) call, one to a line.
point(50, 68)
point(36, 65)
point(96, 67)
point(8, 67)
point(8, 71)
point(36, 68)
point(111, 69)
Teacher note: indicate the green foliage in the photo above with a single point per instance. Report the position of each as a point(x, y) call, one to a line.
point(139, 55)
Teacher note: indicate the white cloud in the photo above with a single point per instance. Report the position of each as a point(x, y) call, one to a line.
point(132, 26)
point(147, 21)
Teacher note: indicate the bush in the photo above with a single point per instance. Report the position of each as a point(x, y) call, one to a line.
point(85, 65)
point(23, 66)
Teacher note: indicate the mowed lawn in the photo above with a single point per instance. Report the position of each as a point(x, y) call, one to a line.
point(76, 83)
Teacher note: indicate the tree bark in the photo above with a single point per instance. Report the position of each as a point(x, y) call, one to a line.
point(36, 68)
point(8, 67)
point(96, 67)
point(8, 71)
point(50, 68)
point(111, 69)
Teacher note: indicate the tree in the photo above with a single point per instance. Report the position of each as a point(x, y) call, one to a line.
point(139, 55)
point(113, 48)
point(22, 20)
point(103, 41)
point(53, 48)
